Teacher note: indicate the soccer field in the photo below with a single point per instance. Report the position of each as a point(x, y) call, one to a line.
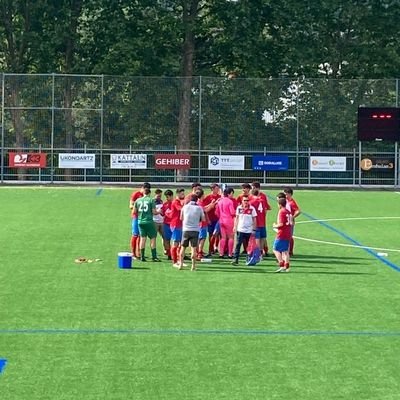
point(329, 329)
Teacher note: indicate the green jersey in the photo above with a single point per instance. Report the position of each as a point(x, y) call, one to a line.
point(145, 206)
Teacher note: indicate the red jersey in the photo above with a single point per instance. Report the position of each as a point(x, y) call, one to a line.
point(264, 197)
point(292, 206)
point(259, 204)
point(165, 211)
point(175, 213)
point(209, 199)
point(134, 197)
point(200, 203)
point(285, 218)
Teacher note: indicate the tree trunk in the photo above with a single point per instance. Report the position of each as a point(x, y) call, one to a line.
point(190, 12)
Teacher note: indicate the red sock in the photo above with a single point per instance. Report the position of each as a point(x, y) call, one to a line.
point(134, 240)
point(282, 264)
point(265, 248)
point(174, 254)
point(286, 265)
point(211, 244)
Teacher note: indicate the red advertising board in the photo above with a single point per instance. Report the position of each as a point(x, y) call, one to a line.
point(172, 161)
point(27, 160)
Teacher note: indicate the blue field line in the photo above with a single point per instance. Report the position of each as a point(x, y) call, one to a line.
point(353, 241)
point(3, 363)
point(196, 332)
point(99, 191)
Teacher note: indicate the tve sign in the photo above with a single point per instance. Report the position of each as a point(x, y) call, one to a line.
point(172, 161)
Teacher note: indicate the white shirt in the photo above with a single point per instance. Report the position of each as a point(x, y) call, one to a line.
point(245, 219)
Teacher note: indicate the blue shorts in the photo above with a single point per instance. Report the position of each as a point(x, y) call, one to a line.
point(167, 233)
point(203, 233)
point(135, 226)
point(281, 245)
point(176, 234)
point(217, 229)
point(211, 227)
point(261, 232)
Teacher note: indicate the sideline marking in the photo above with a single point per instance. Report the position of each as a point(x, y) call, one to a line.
point(191, 332)
point(355, 242)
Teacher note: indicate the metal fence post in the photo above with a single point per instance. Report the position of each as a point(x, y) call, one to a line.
point(52, 129)
point(396, 164)
point(2, 128)
point(297, 132)
point(200, 128)
point(101, 129)
point(359, 167)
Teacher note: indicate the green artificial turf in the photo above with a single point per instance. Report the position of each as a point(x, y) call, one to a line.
point(329, 329)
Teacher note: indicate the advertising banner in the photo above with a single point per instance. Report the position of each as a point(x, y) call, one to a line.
point(76, 160)
point(326, 164)
point(128, 161)
point(27, 160)
point(381, 164)
point(226, 162)
point(270, 163)
point(172, 161)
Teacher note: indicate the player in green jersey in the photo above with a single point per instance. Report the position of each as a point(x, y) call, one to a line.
point(145, 208)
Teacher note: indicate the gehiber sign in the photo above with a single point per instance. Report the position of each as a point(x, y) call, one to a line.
point(172, 161)
point(27, 160)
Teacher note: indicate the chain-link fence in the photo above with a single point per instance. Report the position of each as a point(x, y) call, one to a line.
point(112, 115)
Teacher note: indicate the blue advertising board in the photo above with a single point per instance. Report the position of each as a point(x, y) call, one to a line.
point(270, 163)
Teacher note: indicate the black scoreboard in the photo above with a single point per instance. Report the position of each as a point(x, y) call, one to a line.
point(378, 124)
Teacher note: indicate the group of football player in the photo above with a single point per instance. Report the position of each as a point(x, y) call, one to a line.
point(233, 225)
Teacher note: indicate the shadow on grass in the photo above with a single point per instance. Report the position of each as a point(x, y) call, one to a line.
point(237, 269)
point(327, 257)
point(332, 273)
point(268, 269)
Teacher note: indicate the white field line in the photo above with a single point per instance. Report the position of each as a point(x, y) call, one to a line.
point(342, 244)
point(345, 245)
point(343, 219)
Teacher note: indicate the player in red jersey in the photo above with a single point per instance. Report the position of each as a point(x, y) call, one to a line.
point(283, 227)
point(263, 196)
point(167, 234)
point(195, 186)
point(135, 249)
point(293, 207)
point(258, 202)
point(210, 202)
point(246, 188)
point(174, 213)
point(203, 226)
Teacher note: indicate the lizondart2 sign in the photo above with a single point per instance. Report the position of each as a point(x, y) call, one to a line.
point(27, 160)
point(172, 161)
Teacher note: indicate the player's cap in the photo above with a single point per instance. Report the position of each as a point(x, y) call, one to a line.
point(214, 185)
